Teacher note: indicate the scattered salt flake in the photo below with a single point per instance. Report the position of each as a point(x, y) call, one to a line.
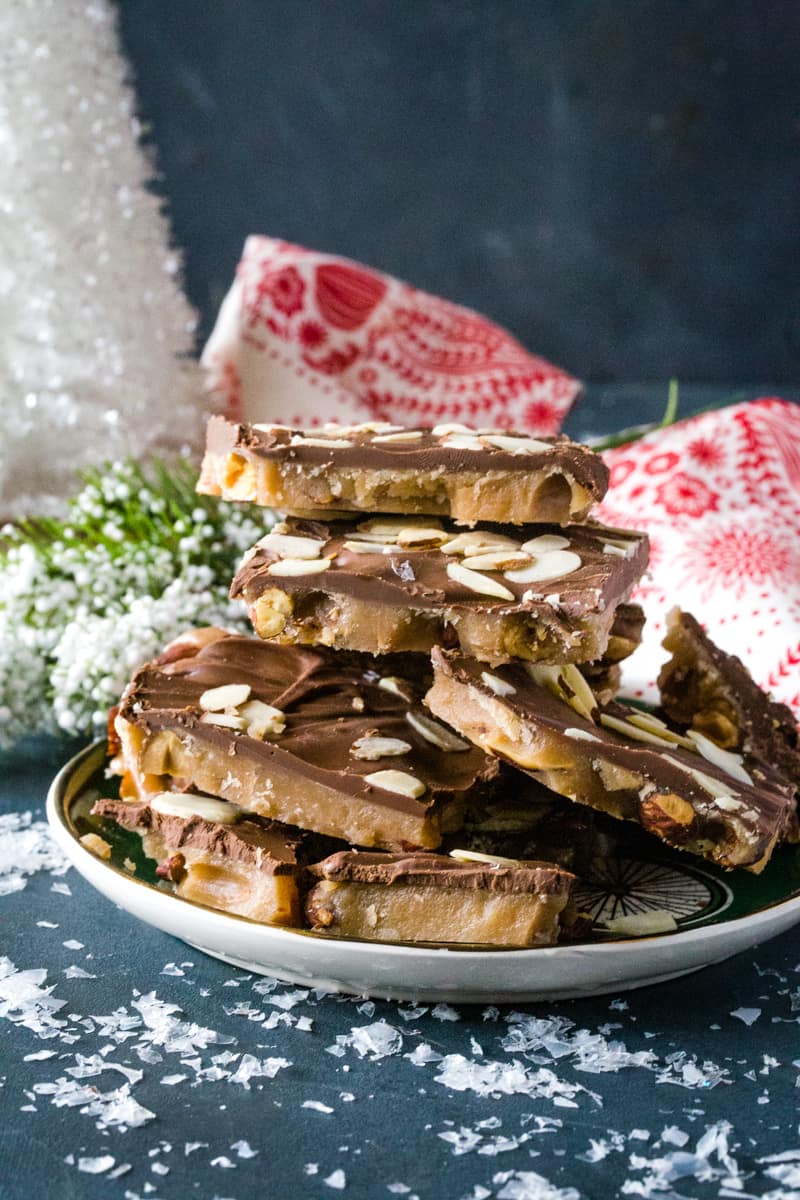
point(375, 1041)
point(63, 889)
point(684, 1071)
point(366, 1008)
point(527, 1185)
point(251, 1067)
point(287, 1000)
point(496, 1078)
point(416, 1011)
point(243, 1149)
point(311, 1169)
point(317, 1106)
point(398, 1189)
point(639, 1135)
point(159, 1168)
point(114, 1109)
point(303, 1024)
point(74, 972)
point(337, 1179)
point(172, 1080)
point(748, 1015)
point(24, 1001)
point(96, 1166)
point(475, 1048)
point(674, 1136)
point(462, 1140)
point(190, 1147)
point(711, 1161)
point(122, 1169)
point(40, 1055)
point(25, 849)
point(47, 925)
point(223, 1161)
point(171, 968)
point(444, 1012)
point(72, 944)
point(422, 1054)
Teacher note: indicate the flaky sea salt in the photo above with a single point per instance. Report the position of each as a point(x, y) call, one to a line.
point(337, 1180)
point(26, 848)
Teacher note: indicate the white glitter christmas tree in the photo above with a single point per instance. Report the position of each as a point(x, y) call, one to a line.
point(96, 336)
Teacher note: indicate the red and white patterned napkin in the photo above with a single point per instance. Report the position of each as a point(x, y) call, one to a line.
point(719, 495)
point(304, 338)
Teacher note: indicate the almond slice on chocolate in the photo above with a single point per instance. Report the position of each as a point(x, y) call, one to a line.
point(499, 560)
point(555, 564)
point(421, 538)
point(290, 546)
point(497, 685)
point(566, 683)
point(229, 695)
point(491, 859)
point(261, 719)
point(330, 443)
point(475, 582)
point(365, 547)
point(372, 747)
point(479, 541)
point(544, 543)
point(407, 435)
point(225, 720)
point(189, 804)
point(732, 764)
point(517, 445)
point(399, 782)
point(435, 733)
point(290, 567)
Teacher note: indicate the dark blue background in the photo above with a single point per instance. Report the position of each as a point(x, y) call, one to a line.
point(618, 181)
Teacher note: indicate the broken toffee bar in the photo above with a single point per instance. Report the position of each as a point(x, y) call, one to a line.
point(219, 856)
point(450, 470)
point(540, 593)
point(334, 743)
point(684, 790)
point(436, 898)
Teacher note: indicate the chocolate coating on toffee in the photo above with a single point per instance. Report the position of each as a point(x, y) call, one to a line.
point(418, 578)
point(438, 870)
point(755, 814)
point(329, 700)
point(254, 841)
point(426, 453)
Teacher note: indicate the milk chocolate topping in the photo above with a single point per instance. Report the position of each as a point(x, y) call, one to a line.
point(419, 578)
point(329, 699)
point(429, 452)
point(438, 870)
point(256, 841)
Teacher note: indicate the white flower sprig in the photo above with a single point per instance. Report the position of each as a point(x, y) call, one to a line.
point(84, 601)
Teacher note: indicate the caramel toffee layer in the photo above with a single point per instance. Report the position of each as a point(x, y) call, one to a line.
point(449, 470)
point(542, 593)
point(614, 758)
point(433, 898)
point(257, 842)
point(330, 742)
point(439, 870)
point(705, 689)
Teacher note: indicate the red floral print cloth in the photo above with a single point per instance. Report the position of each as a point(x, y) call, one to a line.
point(304, 338)
point(719, 495)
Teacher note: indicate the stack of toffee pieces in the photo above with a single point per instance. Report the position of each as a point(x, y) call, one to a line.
point(415, 745)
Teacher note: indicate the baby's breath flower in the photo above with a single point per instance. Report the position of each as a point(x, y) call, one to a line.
point(84, 602)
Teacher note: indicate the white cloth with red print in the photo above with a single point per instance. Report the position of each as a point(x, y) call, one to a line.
point(719, 495)
point(303, 338)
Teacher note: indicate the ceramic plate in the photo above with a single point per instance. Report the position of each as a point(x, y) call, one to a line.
point(718, 914)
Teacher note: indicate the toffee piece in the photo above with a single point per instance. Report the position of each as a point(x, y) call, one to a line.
point(704, 689)
point(614, 758)
point(335, 743)
point(435, 898)
point(450, 470)
point(385, 585)
point(219, 856)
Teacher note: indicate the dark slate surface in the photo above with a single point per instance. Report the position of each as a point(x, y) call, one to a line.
point(618, 181)
point(389, 1132)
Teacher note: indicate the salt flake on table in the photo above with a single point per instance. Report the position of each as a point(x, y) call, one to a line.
point(378, 1040)
point(288, 1000)
point(72, 944)
point(445, 1012)
point(74, 972)
point(96, 1166)
point(172, 1080)
point(527, 1185)
point(398, 1189)
point(337, 1180)
point(243, 1149)
point(223, 1161)
point(63, 889)
point(674, 1136)
point(251, 1067)
point(748, 1015)
point(317, 1106)
point(25, 849)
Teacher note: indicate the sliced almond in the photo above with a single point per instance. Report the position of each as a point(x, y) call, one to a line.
point(544, 543)
point(226, 720)
point(398, 687)
point(479, 541)
point(329, 443)
point(271, 428)
point(299, 566)
point(382, 530)
point(185, 804)
point(463, 441)
point(610, 549)
point(498, 560)
point(262, 719)
point(286, 545)
point(436, 734)
point(555, 564)
point(497, 685)
point(494, 860)
point(726, 760)
point(399, 782)
point(408, 435)
point(372, 747)
point(622, 546)
point(421, 537)
point(228, 696)
point(453, 427)
point(475, 582)
point(636, 732)
point(372, 548)
point(365, 427)
point(655, 725)
point(513, 444)
point(714, 787)
point(566, 683)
